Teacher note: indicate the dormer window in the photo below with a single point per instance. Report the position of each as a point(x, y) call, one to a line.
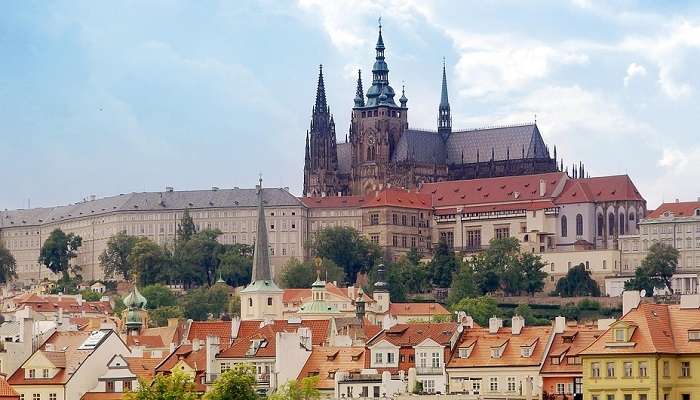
point(554, 360)
point(620, 335)
point(465, 352)
point(495, 352)
point(694, 335)
point(525, 351)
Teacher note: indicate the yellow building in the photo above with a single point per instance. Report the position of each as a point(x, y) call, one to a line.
point(651, 353)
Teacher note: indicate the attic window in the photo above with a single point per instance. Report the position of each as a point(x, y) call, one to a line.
point(554, 360)
point(694, 335)
point(525, 351)
point(464, 352)
point(495, 352)
point(620, 335)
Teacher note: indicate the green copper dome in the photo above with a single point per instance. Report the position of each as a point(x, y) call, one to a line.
point(134, 300)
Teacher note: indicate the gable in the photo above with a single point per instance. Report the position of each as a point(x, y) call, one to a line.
point(182, 366)
point(117, 362)
point(428, 342)
point(383, 344)
point(40, 360)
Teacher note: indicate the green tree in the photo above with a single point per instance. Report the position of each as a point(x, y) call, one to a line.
point(238, 383)
point(479, 308)
point(176, 386)
point(8, 265)
point(158, 295)
point(296, 274)
point(577, 282)
point(526, 312)
point(443, 265)
point(186, 229)
point(295, 390)
point(89, 295)
point(201, 254)
point(199, 303)
point(159, 316)
point(58, 250)
point(236, 264)
point(497, 268)
point(531, 268)
point(463, 283)
point(413, 274)
point(234, 306)
point(151, 262)
point(115, 257)
point(660, 264)
point(642, 281)
point(394, 278)
point(347, 248)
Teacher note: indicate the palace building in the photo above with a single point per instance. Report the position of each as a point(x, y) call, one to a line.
point(383, 151)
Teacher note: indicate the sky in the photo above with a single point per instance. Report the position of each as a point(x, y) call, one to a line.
point(103, 98)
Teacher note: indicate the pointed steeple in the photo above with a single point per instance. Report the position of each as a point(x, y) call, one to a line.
point(380, 93)
point(403, 100)
point(444, 116)
point(359, 93)
point(321, 104)
point(308, 155)
point(261, 256)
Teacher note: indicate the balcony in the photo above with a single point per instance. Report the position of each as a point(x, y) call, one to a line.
point(429, 370)
point(262, 378)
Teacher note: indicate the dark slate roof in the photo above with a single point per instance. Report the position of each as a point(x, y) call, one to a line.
point(500, 140)
point(148, 201)
point(344, 151)
point(420, 146)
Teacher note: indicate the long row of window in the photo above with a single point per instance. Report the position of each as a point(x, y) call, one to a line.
point(600, 223)
point(642, 369)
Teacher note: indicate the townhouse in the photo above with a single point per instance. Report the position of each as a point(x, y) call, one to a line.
point(67, 365)
point(651, 353)
point(326, 362)
point(499, 363)
point(124, 374)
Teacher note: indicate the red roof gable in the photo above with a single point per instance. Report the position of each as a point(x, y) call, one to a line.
point(599, 189)
point(680, 209)
point(395, 197)
point(201, 329)
point(319, 328)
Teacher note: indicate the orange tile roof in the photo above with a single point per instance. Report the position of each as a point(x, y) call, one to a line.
point(482, 342)
point(201, 329)
point(299, 296)
point(412, 334)
point(333, 201)
point(51, 303)
point(6, 390)
point(417, 309)
point(143, 367)
point(599, 189)
point(492, 190)
point(197, 360)
point(680, 209)
point(395, 197)
point(103, 396)
point(657, 328)
point(319, 328)
point(570, 343)
point(146, 341)
point(324, 360)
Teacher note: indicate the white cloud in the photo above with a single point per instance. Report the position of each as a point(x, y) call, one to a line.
point(676, 160)
point(634, 70)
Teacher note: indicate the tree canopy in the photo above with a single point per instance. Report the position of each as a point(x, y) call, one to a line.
point(577, 282)
point(151, 262)
point(347, 248)
point(296, 274)
point(158, 295)
point(236, 264)
point(656, 269)
point(57, 251)
point(295, 390)
point(238, 383)
point(199, 303)
point(115, 257)
point(186, 229)
point(8, 265)
point(443, 265)
point(176, 386)
point(479, 308)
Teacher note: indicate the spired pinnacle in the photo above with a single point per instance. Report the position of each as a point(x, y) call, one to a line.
point(261, 256)
point(444, 101)
point(321, 105)
point(359, 93)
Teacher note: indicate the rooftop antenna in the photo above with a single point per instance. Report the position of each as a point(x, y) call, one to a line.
point(380, 22)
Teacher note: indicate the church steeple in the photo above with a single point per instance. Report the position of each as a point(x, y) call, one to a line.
point(444, 116)
point(359, 93)
point(261, 256)
point(380, 93)
point(321, 105)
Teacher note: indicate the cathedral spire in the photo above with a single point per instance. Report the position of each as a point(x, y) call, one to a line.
point(321, 104)
point(359, 93)
point(261, 256)
point(444, 116)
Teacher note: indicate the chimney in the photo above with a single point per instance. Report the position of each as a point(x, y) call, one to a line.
point(235, 326)
point(495, 324)
point(212, 351)
point(517, 324)
point(79, 299)
point(305, 337)
point(630, 300)
point(465, 320)
point(677, 201)
point(559, 324)
point(543, 187)
point(195, 344)
point(60, 315)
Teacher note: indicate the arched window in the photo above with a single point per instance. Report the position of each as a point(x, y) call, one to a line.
point(579, 225)
point(563, 226)
point(371, 153)
point(601, 225)
point(611, 224)
point(269, 301)
point(250, 302)
point(623, 223)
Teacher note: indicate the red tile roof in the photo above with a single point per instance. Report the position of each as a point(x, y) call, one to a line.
point(680, 209)
point(599, 189)
point(197, 360)
point(6, 390)
point(103, 396)
point(143, 367)
point(570, 343)
point(333, 201)
point(412, 334)
point(508, 189)
point(319, 328)
point(417, 309)
point(201, 329)
point(70, 305)
point(146, 341)
point(326, 360)
point(482, 341)
point(395, 197)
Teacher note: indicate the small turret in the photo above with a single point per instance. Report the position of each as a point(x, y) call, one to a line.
point(403, 100)
point(359, 93)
